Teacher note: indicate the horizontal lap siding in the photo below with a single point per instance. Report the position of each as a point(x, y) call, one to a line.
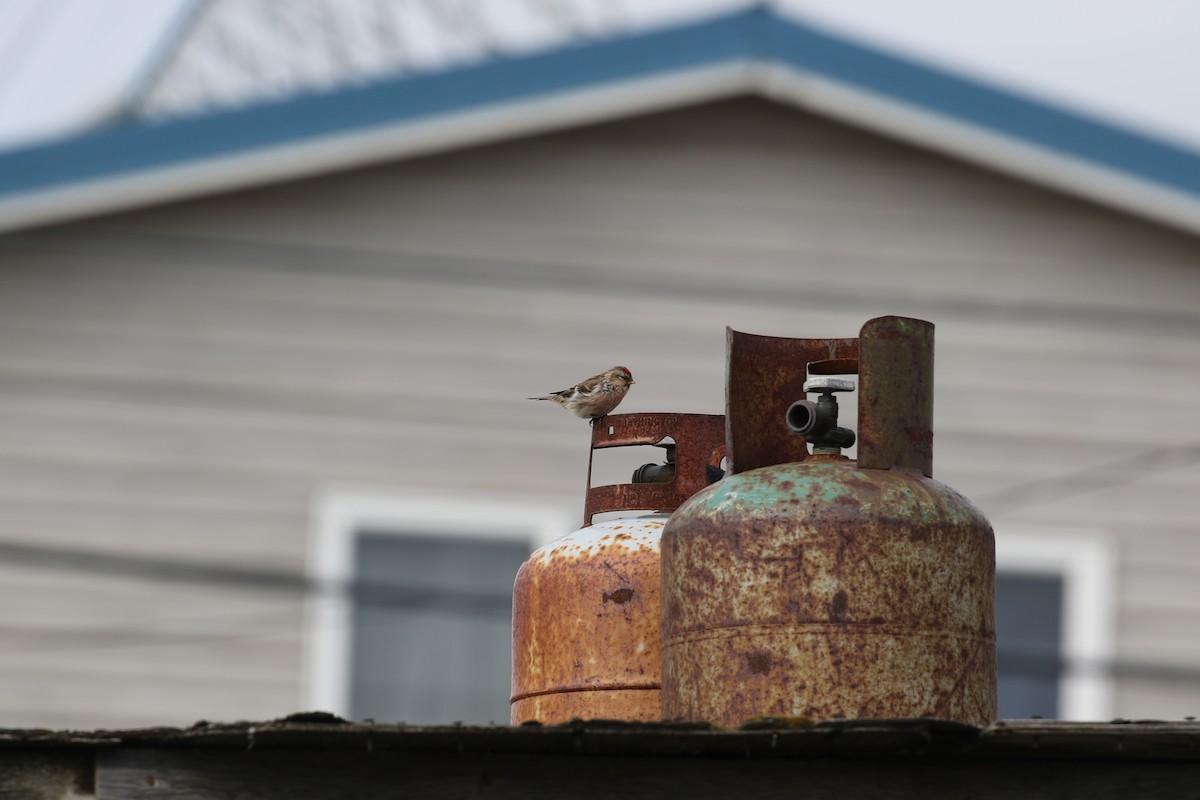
point(181, 382)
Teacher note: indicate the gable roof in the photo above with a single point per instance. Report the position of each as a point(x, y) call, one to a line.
point(756, 52)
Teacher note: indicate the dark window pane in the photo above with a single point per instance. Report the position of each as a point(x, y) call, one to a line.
point(432, 628)
point(1028, 637)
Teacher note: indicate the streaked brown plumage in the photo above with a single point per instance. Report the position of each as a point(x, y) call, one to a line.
point(596, 396)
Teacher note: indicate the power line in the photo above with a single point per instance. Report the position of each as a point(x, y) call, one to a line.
point(257, 579)
point(131, 636)
point(1109, 475)
point(1014, 658)
point(266, 255)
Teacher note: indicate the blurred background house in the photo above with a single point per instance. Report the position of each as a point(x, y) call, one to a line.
point(268, 320)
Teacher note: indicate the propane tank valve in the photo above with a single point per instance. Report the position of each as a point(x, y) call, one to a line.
point(817, 421)
point(657, 473)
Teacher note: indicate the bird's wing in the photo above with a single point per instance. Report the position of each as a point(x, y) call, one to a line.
point(588, 387)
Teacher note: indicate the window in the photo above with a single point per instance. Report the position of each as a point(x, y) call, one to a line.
point(430, 637)
point(411, 620)
point(1055, 595)
point(1029, 640)
point(411, 617)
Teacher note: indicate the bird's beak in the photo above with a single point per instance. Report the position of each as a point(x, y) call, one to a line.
point(632, 381)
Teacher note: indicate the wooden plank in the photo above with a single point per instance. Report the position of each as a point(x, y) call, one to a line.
point(46, 774)
point(1136, 740)
point(186, 774)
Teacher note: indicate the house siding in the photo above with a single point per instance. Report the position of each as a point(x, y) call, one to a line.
point(183, 382)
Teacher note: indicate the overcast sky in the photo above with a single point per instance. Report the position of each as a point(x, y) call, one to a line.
point(1135, 62)
point(68, 64)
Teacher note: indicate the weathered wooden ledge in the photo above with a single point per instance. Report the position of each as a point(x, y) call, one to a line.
point(320, 756)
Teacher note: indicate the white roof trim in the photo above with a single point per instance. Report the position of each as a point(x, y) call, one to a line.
point(980, 146)
point(557, 111)
point(377, 145)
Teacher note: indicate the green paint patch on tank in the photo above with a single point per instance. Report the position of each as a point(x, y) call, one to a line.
point(828, 590)
point(834, 488)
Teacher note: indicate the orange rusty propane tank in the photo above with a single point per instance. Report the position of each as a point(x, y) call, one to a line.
point(816, 586)
point(585, 607)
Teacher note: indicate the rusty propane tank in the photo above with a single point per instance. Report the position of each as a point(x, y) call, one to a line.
point(811, 585)
point(586, 606)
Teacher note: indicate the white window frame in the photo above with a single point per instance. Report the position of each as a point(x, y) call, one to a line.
point(1086, 563)
point(340, 515)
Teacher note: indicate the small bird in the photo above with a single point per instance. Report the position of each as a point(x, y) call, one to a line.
point(595, 397)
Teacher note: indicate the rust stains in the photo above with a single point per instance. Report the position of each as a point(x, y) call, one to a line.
point(758, 663)
point(769, 373)
point(586, 637)
point(838, 606)
point(897, 576)
point(895, 395)
point(620, 596)
point(699, 442)
point(874, 625)
point(574, 656)
point(920, 437)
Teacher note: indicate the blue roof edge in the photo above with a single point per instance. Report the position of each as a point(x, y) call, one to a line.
point(753, 35)
point(137, 146)
point(993, 109)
